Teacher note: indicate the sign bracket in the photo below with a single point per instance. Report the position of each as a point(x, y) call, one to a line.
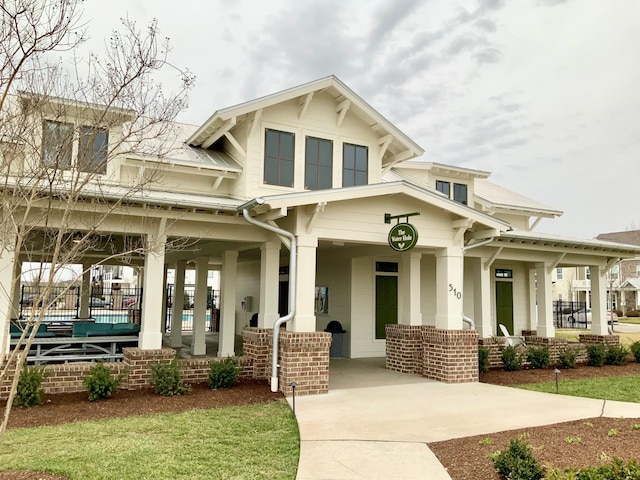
point(388, 217)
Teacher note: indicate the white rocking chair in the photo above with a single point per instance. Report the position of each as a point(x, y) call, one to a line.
point(511, 340)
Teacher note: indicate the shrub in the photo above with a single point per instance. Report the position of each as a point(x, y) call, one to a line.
point(618, 313)
point(483, 359)
point(223, 374)
point(165, 379)
point(538, 357)
point(614, 470)
point(635, 349)
point(100, 383)
point(517, 462)
point(511, 359)
point(29, 391)
point(617, 355)
point(596, 354)
point(633, 313)
point(567, 358)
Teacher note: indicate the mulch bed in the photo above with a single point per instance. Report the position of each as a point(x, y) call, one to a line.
point(576, 444)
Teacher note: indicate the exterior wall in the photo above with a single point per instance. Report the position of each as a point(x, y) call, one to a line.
point(428, 289)
point(247, 284)
point(518, 222)
point(319, 121)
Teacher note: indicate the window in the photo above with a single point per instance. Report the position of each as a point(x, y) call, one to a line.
point(57, 144)
point(460, 193)
point(588, 273)
point(559, 297)
point(322, 300)
point(504, 273)
point(559, 273)
point(318, 163)
point(92, 154)
point(387, 267)
point(278, 158)
point(444, 187)
point(355, 165)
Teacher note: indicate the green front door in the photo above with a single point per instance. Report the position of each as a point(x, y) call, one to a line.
point(386, 303)
point(504, 306)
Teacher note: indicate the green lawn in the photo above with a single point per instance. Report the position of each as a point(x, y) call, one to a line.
point(250, 442)
point(571, 334)
point(624, 389)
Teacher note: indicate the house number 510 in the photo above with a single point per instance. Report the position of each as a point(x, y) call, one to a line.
point(454, 291)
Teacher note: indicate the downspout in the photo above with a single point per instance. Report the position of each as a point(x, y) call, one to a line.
point(465, 249)
point(293, 256)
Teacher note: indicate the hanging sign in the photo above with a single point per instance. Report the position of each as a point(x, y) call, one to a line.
point(403, 237)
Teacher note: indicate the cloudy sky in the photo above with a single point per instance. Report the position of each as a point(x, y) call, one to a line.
point(543, 93)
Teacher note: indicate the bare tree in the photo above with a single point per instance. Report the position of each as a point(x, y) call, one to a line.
point(64, 126)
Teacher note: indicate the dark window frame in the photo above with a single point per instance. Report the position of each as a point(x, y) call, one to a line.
point(441, 186)
point(352, 173)
point(504, 273)
point(458, 188)
point(57, 146)
point(317, 174)
point(93, 147)
point(284, 165)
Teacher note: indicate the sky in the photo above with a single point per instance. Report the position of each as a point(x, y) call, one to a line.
point(542, 93)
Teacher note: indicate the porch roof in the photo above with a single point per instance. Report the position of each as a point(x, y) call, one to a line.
point(578, 244)
point(432, 197)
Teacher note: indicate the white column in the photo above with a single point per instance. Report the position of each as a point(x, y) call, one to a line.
point(85, 291)
point(449, 288)
point(544, 297)
point(178, 304)
point(599, 324)
point(17, 289)
point(151, 328)
point(481, 296)
point(7, 269)
point(198, 338)
point(533, 304)
point(409, 289)
point(269, 282)
point(305, 318)
point(228, 303)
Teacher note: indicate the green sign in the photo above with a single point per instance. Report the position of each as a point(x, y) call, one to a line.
point(403, 237)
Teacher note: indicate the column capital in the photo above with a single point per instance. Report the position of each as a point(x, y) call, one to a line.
point(307, 241)
point(451, 251)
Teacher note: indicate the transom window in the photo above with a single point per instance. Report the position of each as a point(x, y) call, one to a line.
point(279, 158)
point(504, 273)
point(318, 163)
point(59, 140)
point(355, 166)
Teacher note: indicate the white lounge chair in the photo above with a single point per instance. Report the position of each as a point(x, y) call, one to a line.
point(511, 340)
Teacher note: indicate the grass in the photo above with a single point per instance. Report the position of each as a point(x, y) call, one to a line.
point(631, 320)
point(249, 442)
point(624, 389)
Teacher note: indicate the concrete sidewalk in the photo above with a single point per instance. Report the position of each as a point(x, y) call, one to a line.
point(375, 423)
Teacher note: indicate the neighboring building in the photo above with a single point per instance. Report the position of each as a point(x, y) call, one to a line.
point(317, 161)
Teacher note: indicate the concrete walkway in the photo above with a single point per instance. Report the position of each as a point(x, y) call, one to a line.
point(375, 423)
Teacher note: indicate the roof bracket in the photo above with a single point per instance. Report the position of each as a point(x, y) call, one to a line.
point(556, 262)
point(462, 225)
point(304, 103)
point(255, 122)
point(319, 208)
point(534, 224)
point(228, 125)
point(235, 143)
point(397, 158)
point(384, 143)
point(342, 108)
point(492, 258)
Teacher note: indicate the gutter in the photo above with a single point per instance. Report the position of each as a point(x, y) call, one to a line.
point(293, 255)
point(465, 249)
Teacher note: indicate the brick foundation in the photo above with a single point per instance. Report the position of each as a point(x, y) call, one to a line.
point(450, 356)
point(136, 365)
point(404, 348)
point(304, 359)
point(257, 344)
point(590, 339)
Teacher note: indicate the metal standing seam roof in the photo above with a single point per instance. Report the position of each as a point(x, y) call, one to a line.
point(559, 240)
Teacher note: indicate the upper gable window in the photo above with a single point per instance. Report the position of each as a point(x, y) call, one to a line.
point(57, 144)
point(278, 158)
point(460, 193)
point(58, 147)
point(318, 163)
point(443, 187)
point(92, 154)
point(355, 165)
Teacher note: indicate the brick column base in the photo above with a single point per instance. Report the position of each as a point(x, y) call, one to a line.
point(404, 348)
point(304, 359)
point(138, 363)
point(257, 344)
point(450, 356)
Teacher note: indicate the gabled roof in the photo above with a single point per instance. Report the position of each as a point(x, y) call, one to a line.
point(493, 197)
point(400, 144)
point(632, 283)
point(375, 190)
point(442, 169)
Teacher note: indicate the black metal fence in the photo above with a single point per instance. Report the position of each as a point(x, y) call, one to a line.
point(569, 314)
point(212, 312)
point(106, 305)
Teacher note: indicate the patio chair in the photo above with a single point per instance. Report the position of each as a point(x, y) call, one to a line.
point(511, 340)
